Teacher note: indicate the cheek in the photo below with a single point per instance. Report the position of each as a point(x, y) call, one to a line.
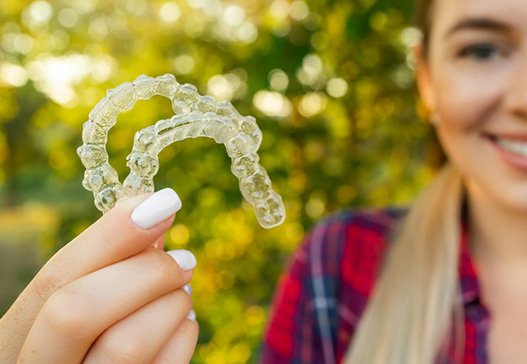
point(466, 101)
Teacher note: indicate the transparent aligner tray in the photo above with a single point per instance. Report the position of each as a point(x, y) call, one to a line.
point(195, 116)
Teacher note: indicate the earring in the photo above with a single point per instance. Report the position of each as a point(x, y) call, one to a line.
point(434, 118)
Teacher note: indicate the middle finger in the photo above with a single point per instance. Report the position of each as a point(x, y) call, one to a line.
point(140, 336)
point(78, 313)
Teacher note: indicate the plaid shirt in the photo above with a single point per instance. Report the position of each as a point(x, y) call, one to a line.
point(322, 296)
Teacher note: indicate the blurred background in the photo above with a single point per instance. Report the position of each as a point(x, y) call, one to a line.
point(330, 82)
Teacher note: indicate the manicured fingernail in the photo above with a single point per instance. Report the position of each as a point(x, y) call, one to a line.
point(185, 259)
point(191, 315)
point(156, 208)
point(187, 289)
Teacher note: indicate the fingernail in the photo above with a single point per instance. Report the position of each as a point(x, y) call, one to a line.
point(187, 289)
point(156, 208)
point(185, 259)
point(191, 315)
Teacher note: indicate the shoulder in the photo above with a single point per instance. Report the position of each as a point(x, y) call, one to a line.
point(364, 220)
point(322, 294)
point(371, 218)
point(341, 255)
point(352, 235)
point(347, 250)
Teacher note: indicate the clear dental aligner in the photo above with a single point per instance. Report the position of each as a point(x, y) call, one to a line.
point(195, 116)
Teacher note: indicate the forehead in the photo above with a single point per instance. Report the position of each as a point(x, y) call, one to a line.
point(448, 12)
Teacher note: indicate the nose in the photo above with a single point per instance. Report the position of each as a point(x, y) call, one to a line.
point(516, 97)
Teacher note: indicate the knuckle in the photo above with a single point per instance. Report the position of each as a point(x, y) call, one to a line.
point(179, 301)
point(103, 231)
point(159, 264)
point(182, 300)
point(122, 347)
point(105, 236)
point(48, 281)
point(63, 315)
point(189, 329)
point(188, 332)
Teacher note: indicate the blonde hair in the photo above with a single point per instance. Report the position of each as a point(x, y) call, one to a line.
point(415, 311)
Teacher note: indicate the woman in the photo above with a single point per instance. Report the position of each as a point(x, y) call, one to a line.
point(388, 286)
point(112, 295)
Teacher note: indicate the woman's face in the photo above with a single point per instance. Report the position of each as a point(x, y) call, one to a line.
point(475, 79)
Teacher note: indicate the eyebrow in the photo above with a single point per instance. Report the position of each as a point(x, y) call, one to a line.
point(478, 24)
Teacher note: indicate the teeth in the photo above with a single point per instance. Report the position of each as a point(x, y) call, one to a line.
point(513, 146)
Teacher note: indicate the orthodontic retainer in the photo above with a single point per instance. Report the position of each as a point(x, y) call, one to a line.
point(195, 116)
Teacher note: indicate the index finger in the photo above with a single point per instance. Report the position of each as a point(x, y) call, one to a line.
point(127, 229)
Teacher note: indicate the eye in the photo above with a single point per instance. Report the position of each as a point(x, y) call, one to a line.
point(480, 52)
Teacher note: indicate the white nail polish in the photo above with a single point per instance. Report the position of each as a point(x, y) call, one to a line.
point(191, 315)
point(156, 208)
point(185, 259)
point(187, 289)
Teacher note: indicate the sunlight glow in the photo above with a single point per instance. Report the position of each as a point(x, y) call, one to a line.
point(169, 12)
point(272, 104)
point(337, 87)
point(13, 75)
point(278, 80)
point(58, 76)
point(312, 104)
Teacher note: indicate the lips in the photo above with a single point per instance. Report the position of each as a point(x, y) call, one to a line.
point(511, 147)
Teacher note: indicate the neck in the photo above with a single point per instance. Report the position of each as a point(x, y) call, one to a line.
point(498, 233)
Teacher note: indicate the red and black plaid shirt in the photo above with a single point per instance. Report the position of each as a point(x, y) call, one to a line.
point(323, 294)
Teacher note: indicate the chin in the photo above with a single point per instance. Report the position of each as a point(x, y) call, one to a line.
point(515, 202)
point(496, 193)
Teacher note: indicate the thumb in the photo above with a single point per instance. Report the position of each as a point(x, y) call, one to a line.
point(127, 229)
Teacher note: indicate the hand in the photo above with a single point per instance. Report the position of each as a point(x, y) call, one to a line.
point(109, 296)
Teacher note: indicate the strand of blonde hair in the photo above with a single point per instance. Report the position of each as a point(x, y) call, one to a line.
point(415, 303)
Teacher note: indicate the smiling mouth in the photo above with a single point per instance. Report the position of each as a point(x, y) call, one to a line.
point(512, 144)
point(516, 147)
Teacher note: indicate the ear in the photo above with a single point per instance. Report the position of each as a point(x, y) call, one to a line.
point(424, 78)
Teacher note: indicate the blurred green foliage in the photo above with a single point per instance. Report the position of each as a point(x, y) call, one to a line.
point(330, 82)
